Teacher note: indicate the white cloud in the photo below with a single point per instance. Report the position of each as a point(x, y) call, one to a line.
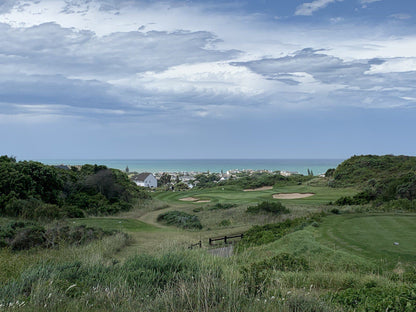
point(309, 8)
point(397, 65)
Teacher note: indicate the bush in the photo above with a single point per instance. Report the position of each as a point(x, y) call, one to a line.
point(222, 206)
point(225, 223)
point(272, 207)
point(259, 235)
point(372, 299)
point(23, 235)
point(180, 219)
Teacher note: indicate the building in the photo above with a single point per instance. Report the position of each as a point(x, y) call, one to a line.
point(145, 179)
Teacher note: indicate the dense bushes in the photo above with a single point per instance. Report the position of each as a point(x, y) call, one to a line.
point(180, 219)
point(266, 206)
point(222, 206)
point(259, 235)
point(20, 235)
point(384, 178)
point(358, 170)
point(32, 190)
point(256, 180)
point(373, 299)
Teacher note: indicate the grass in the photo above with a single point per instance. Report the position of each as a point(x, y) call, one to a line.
point(235, 195)
point(155, 271)
point(122, 224)
point(372, 236)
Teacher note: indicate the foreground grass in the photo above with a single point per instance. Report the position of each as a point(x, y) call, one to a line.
point(178, 279)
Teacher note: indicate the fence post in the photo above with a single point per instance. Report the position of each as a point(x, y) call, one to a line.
point(225, 239)
point(210, 241)
point(200, 244)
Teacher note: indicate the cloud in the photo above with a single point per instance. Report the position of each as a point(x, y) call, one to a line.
point(309, 8)
point(401, 16)
point(369, 1)
point(314, 77)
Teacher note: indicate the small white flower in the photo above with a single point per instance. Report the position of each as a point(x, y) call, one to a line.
point(272, 298)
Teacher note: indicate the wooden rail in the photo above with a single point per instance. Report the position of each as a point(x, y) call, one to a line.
point(225, 238)
point(199, 244)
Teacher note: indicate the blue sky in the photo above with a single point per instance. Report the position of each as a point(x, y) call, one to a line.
point(207, 79)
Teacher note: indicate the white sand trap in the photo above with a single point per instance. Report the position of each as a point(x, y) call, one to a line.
point(292, 195)
point(190, 199)
point(203, 201)
point(264, 188)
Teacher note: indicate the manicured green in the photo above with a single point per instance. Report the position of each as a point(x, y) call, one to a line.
point(372, 236)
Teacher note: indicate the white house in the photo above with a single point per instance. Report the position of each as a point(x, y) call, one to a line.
point(145, 179)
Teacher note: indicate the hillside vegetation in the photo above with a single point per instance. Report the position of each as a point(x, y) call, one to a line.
point(381, 178)
point(32, 190)
point(296, 254)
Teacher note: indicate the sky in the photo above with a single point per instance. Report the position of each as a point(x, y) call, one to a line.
point(132, 79)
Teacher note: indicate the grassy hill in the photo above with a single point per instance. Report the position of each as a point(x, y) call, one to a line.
point(358, 170)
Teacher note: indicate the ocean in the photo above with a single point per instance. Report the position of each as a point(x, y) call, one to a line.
point(318, 166)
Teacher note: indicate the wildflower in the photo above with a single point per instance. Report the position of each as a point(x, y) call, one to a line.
point(289, 292)
point(272, 298)
point(50, 295)
point(265, 300)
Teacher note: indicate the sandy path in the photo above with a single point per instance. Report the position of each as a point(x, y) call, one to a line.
point(292, 195)
point(264, 188)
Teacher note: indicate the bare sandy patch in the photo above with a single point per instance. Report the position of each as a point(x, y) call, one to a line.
point(264, 188)
point(203, 201)
point(292, 195)
point(190, 199)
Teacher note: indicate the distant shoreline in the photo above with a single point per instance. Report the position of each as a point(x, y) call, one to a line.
point(318, 166)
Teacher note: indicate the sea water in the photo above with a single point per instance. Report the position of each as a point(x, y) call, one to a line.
point(317, 166)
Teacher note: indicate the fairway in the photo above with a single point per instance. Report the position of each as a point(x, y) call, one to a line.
point(372, 236)
point(232, 194)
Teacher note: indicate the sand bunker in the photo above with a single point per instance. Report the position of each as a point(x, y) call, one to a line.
point(264, 188)
point(189, 199)
point(195, 200)
point(292, 195)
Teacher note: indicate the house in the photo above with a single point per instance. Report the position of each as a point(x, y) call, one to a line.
point(145, 179)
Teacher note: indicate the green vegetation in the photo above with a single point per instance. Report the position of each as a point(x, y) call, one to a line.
point(35, 191)
point(180, 219)
point(296, 254)
point(271, 207)
point(383, 179)
point(20, 235)
point(259, 235)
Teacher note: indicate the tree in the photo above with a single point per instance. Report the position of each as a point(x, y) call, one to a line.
point(165, 179)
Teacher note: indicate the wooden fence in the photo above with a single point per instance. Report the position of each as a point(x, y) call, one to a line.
point(225, 238)
point(199, 244)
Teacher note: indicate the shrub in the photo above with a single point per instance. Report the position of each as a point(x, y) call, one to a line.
point(180, 219)
point(222, 206)
point(272, 207)
point(225, 222)
point(372, 299)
